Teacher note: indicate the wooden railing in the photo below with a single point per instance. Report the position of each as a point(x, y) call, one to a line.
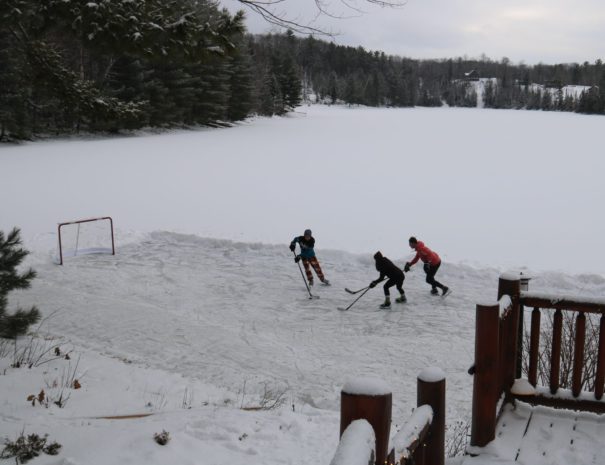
point(499, 338)
point(577, 309)
point(420, 441)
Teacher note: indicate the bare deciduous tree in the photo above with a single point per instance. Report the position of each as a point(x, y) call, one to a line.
point(270, 12)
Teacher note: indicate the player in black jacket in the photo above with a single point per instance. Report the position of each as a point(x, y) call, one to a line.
point(387, 268)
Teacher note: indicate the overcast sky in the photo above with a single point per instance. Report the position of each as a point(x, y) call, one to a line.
point(531, 31)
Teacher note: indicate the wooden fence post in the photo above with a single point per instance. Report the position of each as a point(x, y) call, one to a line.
point(369, 399)
point(431, 391)
point(486, 381)
point(513, 351)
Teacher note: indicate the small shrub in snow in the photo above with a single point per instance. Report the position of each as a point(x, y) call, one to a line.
point(34, 351)
point(591, 350)
point(25, 448)
point(456, 438)
point(270, 399)
point(162, 438)
point(40, 398)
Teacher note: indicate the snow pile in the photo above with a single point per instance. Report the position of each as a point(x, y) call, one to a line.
point(522, 387)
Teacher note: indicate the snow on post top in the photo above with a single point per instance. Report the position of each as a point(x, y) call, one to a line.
point(366, 386)
point(510, 276)
point(356, 445)
point(431, 375)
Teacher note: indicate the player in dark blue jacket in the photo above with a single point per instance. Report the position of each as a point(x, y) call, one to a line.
point(306, 243)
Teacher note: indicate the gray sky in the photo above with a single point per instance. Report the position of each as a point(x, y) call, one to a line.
point(532, 31)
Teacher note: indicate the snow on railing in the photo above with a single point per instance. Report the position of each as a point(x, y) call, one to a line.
point(370, 399)
point(357, 445)
point(408, 438)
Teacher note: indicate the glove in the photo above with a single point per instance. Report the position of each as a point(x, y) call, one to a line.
point(297, 258)
point(292, 247)
point(372, 284)
point(407, 267)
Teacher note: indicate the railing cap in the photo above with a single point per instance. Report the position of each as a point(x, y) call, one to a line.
point(431, 375)
point(366, 386)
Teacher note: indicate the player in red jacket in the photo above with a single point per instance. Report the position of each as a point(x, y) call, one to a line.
point(431, 261)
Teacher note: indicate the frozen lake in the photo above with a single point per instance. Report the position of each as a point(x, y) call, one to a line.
point(489, 187)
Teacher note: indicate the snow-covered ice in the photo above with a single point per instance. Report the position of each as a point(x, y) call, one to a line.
point(202, 312)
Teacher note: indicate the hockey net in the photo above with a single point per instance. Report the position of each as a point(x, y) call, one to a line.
point(81, 237)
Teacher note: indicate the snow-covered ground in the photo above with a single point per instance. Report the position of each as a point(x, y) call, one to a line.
point(202, 309)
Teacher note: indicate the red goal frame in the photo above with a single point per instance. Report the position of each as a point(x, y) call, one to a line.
point(88, 220)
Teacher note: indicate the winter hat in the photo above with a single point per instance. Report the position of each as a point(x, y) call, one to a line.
point(307, 232)
point(413, 240)
point(377, 255)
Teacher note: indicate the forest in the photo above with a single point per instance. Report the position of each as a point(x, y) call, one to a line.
point(68, 67)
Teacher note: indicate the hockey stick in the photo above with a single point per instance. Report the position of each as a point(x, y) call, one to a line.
point(355, 292)
point(353, 303)
point(311, 296)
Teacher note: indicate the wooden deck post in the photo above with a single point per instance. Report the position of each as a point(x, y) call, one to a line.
point(431, 391)
point(600, 376)
point(369, 399)
point(578, 354)
point(555, 356)
point(534, 347)
point(513, 342)
point(486, 381)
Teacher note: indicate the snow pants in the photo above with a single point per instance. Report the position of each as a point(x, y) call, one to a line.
point(312, 262)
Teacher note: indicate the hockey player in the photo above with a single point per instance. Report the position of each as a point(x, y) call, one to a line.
point(431, 261)
point(388, 269)
point(306, 243)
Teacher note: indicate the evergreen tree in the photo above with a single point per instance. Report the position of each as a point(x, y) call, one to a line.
point(290, 83)
point(213, 94)
point(11, 256)
point(266, 105)
point(241, 99)
point(14, 90)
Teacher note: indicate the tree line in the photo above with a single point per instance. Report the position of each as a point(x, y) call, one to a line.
point(354, 75)
point(105, 66)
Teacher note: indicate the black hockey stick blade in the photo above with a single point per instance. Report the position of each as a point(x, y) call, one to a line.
point(354, 292)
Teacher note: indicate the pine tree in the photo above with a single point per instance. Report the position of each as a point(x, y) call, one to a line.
point(290, 83)
point(11, 255)
point(241, 100)
point(14, 88)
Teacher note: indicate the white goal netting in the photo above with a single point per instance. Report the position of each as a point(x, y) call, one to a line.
point(81, 237)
